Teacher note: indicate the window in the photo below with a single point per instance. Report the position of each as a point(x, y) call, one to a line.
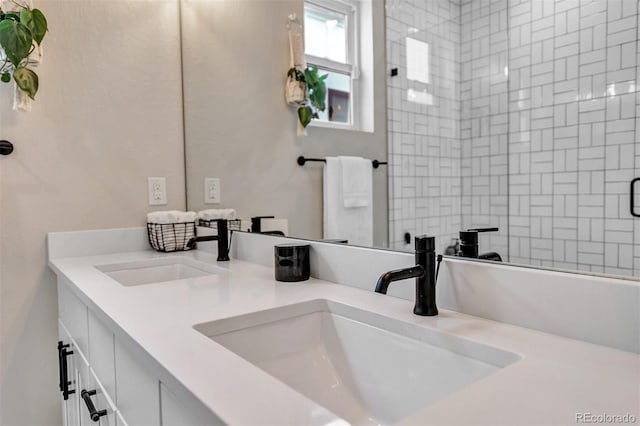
point(330, 35)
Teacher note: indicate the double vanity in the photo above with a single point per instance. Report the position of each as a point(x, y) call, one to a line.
point(180, 339)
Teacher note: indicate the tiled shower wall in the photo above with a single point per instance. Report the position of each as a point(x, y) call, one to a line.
point(424, 138)
point(484, 121)
point(572, 133)
point(563, 123)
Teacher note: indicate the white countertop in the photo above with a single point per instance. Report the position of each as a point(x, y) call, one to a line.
point(556, 378)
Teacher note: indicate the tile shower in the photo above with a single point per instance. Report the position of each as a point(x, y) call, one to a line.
point(527, 121)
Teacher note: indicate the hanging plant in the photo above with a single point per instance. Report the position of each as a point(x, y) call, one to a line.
point(314, 88)
point(21, 32)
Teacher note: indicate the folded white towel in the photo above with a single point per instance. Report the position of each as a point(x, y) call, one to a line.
point(212, 214)
point(171, 216)
point(354, 224)
point(356, 181)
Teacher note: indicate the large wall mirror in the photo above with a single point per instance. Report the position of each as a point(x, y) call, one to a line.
point(518, 115)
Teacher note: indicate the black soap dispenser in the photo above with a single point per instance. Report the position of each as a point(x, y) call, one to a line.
point(292, 262)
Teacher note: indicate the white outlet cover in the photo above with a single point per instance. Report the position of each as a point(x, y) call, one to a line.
point(212, 191)
point(157, 191)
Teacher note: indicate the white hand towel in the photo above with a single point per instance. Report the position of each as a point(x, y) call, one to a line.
point(354, 224)
point(171, 216)
point(356, 181)
point(212, 214)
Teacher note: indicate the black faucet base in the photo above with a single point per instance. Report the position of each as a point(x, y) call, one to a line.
point(426, 311)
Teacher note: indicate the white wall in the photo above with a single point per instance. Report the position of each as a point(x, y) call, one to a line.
point(107, 116)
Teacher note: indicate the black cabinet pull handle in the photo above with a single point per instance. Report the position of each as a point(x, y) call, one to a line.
point(65, 374)
point(632, 196)
point(63, 370)
point(93, 413)
point(60, 376)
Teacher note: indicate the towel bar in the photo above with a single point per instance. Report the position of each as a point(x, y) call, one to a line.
point(302, 160)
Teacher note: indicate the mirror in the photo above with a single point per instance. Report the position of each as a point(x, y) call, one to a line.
point(239, 129)
point(515, 116)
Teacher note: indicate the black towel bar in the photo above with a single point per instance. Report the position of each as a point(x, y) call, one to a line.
point(302, 160)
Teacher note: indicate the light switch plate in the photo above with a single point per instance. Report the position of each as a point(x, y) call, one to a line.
point(157, 191)
point(212, 190)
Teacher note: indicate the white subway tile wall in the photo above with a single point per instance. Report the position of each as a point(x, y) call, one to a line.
point(541, 111)
point(424, 122)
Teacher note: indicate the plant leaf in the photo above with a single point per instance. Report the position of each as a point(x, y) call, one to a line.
point(27, 81)
point(16, 40)
point(36, 22)
point(304, 115)
point(12, 16)
point(317, 87)
point(6, 77)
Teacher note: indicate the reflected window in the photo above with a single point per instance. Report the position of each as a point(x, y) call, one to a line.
point(330, 44)
point(417, 60)
point(325, 33)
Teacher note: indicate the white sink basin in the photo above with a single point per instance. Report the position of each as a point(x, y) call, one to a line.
point(364, 367)
point(156, 270)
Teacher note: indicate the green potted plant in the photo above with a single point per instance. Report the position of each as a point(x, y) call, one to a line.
point(21, 32)
point(315, 92)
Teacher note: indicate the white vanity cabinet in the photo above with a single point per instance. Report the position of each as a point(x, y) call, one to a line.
point(82, 393)
point(110, 379)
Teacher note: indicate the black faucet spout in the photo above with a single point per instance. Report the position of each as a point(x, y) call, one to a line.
point(396, 275)
point(222, 238)
point(424, 271)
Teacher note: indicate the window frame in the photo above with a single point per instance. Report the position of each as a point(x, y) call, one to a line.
point(350, 8)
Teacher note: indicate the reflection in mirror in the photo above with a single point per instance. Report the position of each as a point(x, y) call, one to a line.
point(238, 127)
point(517, 120)
point(519, 116)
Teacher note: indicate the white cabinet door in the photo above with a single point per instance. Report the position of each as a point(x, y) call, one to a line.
point(82, 377)
point(94, 400)
point(103, 402)
point(137, 389)
point(101, 354)
point(73, 314)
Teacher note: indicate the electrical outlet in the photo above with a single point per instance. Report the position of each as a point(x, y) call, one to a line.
point(157, 191)
point(212, 190)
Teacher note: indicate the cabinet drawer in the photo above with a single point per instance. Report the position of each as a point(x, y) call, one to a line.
point(73, 314)
point(93, 397)
point(101, 353)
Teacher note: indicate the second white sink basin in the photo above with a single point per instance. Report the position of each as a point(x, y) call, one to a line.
point(156, 270)
point(364, 367)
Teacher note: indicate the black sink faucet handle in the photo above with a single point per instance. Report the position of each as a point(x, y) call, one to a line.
point(469, 241)
point(484, 229)
point(256, 222)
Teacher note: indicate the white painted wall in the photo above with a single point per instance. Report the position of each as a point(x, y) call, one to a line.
point(107, 116)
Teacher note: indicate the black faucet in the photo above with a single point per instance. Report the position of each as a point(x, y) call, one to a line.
point(256, 226)
point(469, 245)
point(425, 274)
point(222, 238)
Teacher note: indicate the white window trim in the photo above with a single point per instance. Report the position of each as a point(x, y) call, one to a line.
point(350, 9)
